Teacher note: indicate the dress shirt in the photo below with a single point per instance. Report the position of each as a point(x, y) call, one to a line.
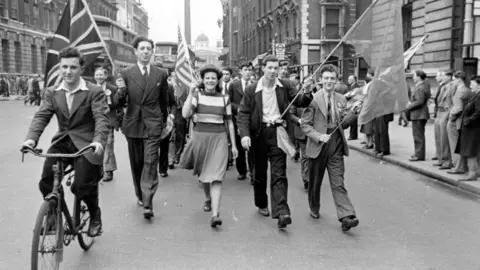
point(141, 66)
point(270, 109)
point(332, 106)
point(70, 94)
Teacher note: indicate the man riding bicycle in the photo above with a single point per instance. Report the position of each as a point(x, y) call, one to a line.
point(81, 109)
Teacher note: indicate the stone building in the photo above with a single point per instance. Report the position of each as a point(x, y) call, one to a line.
point(203, 50)
point(26, 27)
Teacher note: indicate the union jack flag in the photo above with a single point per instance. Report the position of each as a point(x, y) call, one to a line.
point(183, 67)
point(77, 28)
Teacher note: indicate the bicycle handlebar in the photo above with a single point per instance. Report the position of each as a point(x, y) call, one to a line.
point(38, 152)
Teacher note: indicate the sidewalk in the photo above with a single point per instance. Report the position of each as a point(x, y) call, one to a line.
point(401, 145)
point(12, 97)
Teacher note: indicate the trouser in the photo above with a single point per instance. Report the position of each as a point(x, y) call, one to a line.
point(243, 158)
point(330, 158)
point(418, 131)
point(442, 145)
point(143, 153)
point(265, 149)
point(304, 160)
point(87, 175)
point(109, 160)
point(354, 129)
point(163, 156)
point(181, 129)
point(381, 136)
point(458, 161)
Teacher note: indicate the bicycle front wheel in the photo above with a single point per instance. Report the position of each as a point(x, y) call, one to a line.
point(47, 242)
point(82, 219)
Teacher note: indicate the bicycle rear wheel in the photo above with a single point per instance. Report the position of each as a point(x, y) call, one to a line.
point(47, 242)
point(82, 218)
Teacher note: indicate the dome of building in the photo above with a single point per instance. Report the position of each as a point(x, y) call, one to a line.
point(202, 38)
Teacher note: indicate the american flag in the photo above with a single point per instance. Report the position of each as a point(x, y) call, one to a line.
point(183, 67)
point(76, 29)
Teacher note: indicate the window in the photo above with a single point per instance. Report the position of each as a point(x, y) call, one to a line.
point(295, 26)
point(6, 55)
point(407, 26)
point(34, 58)
point(45, 18)
point(287, 26)
point(2, 9)
point(280, 30)
point(26, 10)
point(43, 55)
point(332, 23)
point(14, 9)
point(35, 15)
point(18, 57)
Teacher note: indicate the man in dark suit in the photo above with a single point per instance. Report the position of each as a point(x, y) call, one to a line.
point(81, 110)
point(381, 136)
point(236, 92)
point(419, 113)
point(352, 84)
point(259, 117)
point(144, 88)
point(109, 160)
point(326, 146)
point(165, 142)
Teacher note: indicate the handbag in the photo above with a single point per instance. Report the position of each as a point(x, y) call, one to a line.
point(225, 123)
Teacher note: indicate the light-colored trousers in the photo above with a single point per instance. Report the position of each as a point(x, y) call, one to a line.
point(109, 160)
point(442, 143)
point(458, 161)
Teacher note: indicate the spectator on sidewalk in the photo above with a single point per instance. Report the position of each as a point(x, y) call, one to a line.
point(419, 114)
point(367, 128)
point(460, 97)
point(352, 84)
point(468, 145)
point(443, 104)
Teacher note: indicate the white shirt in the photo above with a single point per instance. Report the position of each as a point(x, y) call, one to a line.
point(271, 112)
point(225, 87)
point(140, 66)
point(244, 85)
point(70, 94)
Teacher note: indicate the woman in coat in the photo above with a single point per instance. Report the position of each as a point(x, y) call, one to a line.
point(468, 144)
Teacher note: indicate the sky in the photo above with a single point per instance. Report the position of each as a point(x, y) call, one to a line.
point(164, 16)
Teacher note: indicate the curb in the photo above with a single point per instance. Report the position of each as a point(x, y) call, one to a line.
point(12, 99)
point(450, 181)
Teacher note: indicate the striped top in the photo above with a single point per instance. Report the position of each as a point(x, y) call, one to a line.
point(210, 110)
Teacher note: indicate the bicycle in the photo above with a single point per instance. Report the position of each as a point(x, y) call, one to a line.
point(49, 217)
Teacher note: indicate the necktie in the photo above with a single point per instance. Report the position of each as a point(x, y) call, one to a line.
point(145, 73)
point(329, 108)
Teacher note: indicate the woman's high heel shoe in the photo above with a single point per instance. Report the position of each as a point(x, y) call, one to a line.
point(207, 206)
point(216, 221)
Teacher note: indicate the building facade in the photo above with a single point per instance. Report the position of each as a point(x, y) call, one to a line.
point(209, 55)
point(26, 27)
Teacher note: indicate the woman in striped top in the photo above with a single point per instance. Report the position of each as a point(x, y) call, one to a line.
point(207, 152)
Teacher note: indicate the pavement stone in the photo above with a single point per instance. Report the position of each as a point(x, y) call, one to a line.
point(11, 98)
point(402, 147)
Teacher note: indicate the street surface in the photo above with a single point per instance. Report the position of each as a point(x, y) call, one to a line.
point(407, 221)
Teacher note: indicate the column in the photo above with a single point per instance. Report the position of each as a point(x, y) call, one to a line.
point(468, 27)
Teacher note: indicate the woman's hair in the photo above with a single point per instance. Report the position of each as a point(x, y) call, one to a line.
point(207, 69)
point(475, 78)
point(461, 75)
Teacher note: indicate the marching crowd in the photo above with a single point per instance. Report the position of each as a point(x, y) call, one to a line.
point(22, 85)
point(244, 118)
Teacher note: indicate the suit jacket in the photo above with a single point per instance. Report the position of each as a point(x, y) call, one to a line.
point(314, 122)
point(460, 99)
point(444, 98)
point(418, 107)
point(87, 121)
point(250, 112)
point(112, 114)
point(236, 92)
point(352, 86)
point(296, 115)
point(146, 101)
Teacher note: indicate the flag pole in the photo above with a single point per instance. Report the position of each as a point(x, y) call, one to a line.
point(114, 70)
point(334, 49)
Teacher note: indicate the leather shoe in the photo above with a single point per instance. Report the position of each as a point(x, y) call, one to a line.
point(107, 177)
point(414, 159)
point(349, 222)
point(242, 177)
point(147, 213)
point(216, 221)
point(163, 174)
point(264, 212)
point(95, 226)
point(283, 221)
point(314, 215)
point(171, 166)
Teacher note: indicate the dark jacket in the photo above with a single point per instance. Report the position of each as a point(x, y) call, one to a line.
point(418, 107)
point(251, 108)
point(86, 122)
point(172, 106)
point(146, 101)
point(236, 92)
